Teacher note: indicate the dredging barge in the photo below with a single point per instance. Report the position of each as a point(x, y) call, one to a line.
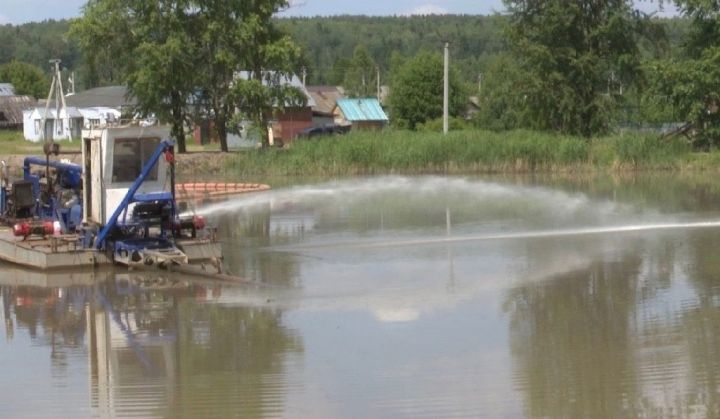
point(117, 207)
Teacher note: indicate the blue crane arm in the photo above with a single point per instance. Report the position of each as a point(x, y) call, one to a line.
point(129, 196)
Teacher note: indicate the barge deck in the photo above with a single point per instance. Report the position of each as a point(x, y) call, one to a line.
point(64, 251)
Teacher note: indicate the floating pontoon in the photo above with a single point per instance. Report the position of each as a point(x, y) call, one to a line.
point(117, 207)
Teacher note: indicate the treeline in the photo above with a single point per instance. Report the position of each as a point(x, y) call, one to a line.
point(327, 42)
point(38, 42)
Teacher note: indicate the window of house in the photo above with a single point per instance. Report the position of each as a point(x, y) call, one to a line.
point(37, 127)
point(129, 157)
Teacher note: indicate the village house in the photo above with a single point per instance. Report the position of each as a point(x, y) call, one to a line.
point(325, 98)
point(361, 114)
point(102, 106)
point(12, 106)
point(11, 110)
point(63, 125)
point(285, 125)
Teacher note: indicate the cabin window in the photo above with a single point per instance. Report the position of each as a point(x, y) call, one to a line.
point(37, 127)
point(129, 157)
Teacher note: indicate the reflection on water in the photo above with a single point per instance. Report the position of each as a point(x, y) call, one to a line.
point(490, 302)
point(153, 347)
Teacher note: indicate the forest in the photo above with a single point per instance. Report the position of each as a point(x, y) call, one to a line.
point(328, 44)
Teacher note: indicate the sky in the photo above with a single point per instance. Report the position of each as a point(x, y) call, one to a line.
point(22, 11)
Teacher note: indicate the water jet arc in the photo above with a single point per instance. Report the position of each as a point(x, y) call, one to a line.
point(524, 235)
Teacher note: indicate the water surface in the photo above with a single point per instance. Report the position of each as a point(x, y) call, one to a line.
point(395, 297)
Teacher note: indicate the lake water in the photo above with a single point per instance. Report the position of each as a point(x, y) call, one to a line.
point(395, 297)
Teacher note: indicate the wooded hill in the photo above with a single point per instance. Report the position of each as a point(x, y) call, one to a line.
point(328, 43)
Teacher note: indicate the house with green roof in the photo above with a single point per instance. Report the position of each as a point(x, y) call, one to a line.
point(360, 113)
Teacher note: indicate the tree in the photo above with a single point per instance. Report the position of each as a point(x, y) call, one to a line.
point(178, 54)
point(361, 74)
point(576, 56)
point(240, 35)
point(690, 83)
point(416, 93)
point(26, 78)
point(337, 73)
point(502, 97)
point(154, 46)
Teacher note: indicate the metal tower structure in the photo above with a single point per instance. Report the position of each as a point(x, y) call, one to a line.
point(56, 90)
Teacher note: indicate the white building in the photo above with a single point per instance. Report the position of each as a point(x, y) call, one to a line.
point(58, 127)
point(99, 116)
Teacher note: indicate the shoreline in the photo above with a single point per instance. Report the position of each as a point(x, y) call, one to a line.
point(470, 152)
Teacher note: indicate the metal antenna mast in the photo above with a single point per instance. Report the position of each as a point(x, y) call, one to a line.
point(56, 89)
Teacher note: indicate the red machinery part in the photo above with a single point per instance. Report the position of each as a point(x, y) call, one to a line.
point(25, 229)
point(21, 229)
point(199, 222)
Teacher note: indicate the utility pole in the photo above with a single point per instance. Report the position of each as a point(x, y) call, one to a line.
point(446, 88)
point(71, 83)
point(377, 70)
point(480, 83)
point(304, 74)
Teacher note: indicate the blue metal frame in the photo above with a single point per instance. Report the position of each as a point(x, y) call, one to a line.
point(3, 200)
point(69, 176)
point(71, 168)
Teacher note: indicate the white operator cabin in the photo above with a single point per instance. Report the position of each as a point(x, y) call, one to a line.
point(113, 158)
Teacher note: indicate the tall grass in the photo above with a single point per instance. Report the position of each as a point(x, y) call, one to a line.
point(460, 151)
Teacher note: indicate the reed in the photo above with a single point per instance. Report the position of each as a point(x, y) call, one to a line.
point(467, 151)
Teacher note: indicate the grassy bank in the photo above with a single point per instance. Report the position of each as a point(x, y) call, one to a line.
point(13, 142)
point(470, 151)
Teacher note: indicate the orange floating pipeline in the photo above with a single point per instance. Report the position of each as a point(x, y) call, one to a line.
point(214, 190)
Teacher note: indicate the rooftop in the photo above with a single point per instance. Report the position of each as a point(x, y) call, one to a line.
point(7, 89)
point(293, 81)
point(325, 98)
point(11, 109)
point(367, 109)
point(108, 96)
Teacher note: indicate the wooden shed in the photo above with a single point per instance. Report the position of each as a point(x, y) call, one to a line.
point(11, 110)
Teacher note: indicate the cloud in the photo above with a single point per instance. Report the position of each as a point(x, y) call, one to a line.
point(429, 9)
point(4, 19)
